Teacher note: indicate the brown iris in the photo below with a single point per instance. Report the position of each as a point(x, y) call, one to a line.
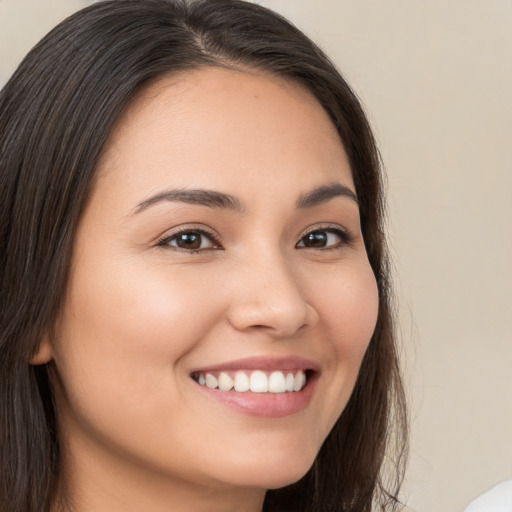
point(190, 240)
point(315, 239)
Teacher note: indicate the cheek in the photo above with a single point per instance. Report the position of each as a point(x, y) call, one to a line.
point(357, 314)
point(147, 309)
point(348, 307)
point(123, 333)
point(347, 299)
point(120, 343)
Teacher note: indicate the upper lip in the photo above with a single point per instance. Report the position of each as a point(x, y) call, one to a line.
point(265, 363)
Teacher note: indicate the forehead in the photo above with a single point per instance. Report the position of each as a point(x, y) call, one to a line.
point(211, 125)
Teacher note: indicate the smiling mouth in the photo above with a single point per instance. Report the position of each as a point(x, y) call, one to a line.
point(254, 381)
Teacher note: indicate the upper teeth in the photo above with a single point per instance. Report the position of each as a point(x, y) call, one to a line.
point(256, 381)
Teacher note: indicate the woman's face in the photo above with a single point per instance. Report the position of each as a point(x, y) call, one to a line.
point(220, 246)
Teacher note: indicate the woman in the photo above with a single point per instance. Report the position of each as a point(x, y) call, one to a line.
point(196, 310)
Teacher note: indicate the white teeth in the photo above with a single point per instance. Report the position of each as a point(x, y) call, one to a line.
point(277, 382)
point(211, 381)
point(241, 382)
point(299, 381)
point(255, 381)
point(225, 382)
point(258, 382)
point(289, 382)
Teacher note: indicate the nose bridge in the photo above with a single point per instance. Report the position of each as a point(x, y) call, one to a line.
point(270, 295)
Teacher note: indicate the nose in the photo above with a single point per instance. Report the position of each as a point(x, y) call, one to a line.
point(270, 298)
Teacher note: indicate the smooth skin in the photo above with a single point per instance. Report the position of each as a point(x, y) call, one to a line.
point(145, 306)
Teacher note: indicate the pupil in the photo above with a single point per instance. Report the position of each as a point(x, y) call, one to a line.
point(316, 239)
point(189, 241)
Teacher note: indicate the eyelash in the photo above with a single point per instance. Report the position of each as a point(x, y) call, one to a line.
point(165, 241)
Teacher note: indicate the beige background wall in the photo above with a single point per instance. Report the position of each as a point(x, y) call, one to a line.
point(436, 78)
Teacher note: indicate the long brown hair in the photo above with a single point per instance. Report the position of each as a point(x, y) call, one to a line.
point(56, 113)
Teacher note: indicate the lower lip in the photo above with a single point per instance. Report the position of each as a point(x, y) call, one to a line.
point(265, 405)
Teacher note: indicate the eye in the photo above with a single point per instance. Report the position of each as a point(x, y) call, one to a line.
point(327, 238)
point(193, 240)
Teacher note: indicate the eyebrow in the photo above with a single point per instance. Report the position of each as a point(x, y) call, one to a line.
point(209, 198)
point(214, 199)
point(325, 193)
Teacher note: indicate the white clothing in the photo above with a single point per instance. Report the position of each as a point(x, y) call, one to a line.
point(498, 499)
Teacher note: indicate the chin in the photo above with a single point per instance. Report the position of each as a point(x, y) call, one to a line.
point(275, 472)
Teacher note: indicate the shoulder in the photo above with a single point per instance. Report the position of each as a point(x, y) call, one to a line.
point(498, 499)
